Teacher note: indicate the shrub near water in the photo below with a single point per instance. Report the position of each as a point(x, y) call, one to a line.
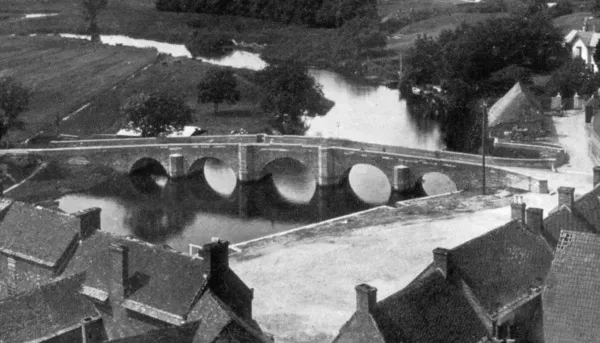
point(325, 13)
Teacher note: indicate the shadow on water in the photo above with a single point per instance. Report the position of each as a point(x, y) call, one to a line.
point(190, 210)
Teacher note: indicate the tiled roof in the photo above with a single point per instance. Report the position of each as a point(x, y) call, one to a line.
point(571, 299)
point(44, 311)
point(430, 309)
point(503, 265)
point(588, 206)
point(564, 218)
point(164, 279)
point(36, 233)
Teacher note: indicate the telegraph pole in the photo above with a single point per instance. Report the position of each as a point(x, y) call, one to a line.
point(483, 134)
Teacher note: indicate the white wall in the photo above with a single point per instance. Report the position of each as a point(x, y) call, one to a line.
point(586, 53)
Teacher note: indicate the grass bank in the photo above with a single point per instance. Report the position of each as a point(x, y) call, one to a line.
point(63, 75)
point(181, 77)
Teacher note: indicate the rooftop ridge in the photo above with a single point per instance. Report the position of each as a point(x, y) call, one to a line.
point(489, 233)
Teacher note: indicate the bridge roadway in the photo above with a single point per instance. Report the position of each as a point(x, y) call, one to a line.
point(329, 160)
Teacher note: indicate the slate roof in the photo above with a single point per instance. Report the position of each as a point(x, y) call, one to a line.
point(36, 233)
point(503, 265)
point(430, 309)
point(571, 299)
point(164, 279)
point(44, 311)
point(517, 105)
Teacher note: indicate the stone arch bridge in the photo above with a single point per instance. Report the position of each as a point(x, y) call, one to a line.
point(329, 160)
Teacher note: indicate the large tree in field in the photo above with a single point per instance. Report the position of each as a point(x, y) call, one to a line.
point(289, 93)
point(14, 99)
point(91, 9)
point(156, 113)
point(218, 86)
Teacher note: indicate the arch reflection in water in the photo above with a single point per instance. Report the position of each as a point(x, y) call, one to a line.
point(369, 184)
point(148, 175)
point(437, 183)
point(216, 174)
point(291, 179)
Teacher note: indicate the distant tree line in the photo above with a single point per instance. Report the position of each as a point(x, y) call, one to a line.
point(319, 13)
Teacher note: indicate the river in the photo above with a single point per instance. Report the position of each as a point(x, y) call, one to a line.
point(211, 203)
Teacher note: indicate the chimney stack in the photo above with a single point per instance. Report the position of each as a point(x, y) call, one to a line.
point(217, 255)
point(535, 220)
point(366, 298)
point(441, 260)
point(89, 221)
point(566, 196)
point(596, 175)
point(517, 209)
point(119, 261)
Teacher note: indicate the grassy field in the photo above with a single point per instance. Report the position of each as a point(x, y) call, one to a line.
point(180, 76)
point(573, 21)
point(405, 37)
point(64, 74)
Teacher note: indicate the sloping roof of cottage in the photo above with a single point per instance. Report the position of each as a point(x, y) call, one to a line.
point(565, 218)
point(504, 265)
point(36, 233)
point(430, 309)
point(167, 335)
point(589, 38)
point(516, 106)
point(44, 311)
point(571, 298)
point(162, 278)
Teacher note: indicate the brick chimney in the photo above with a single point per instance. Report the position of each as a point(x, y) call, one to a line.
point(89, 221)
point(119, 263)
point(566, 196)
point(596, 170)
point(217, 255)
point(91, 330)
point(366, 298)
point(441, 260)
point(535, 220)
point(517, 209)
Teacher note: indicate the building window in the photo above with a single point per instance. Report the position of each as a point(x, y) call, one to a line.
point(579, 52)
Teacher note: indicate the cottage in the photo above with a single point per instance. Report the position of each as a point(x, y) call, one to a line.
point(36, 243)
point(54, 312)
point(133, 286)
point(516, 112)
point(488, 288)
point(583, 44)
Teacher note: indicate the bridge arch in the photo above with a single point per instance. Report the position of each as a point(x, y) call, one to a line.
point(216, 174)
point(368, 182)
point(147, 165)
point(434, 183)
point(293, 180)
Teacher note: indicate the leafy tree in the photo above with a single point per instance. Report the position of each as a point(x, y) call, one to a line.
point(91, 9)
point(289, 93)
point(217, 87)
point(573, 77)
point(478, 61)
point(562, 7)
point(596, 7)
point(14, 100)
point(156, 113)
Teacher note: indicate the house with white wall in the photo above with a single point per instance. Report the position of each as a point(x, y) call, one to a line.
point(583, 43)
